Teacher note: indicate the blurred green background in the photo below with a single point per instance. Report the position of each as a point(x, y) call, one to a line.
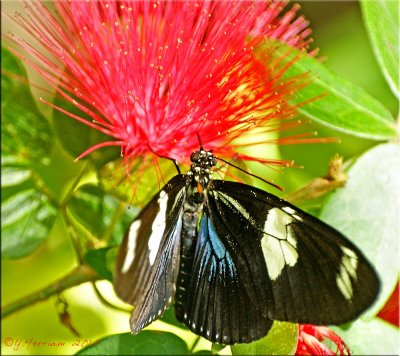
point(339, 33)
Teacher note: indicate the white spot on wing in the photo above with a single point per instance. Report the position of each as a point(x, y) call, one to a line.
point(276, 223)
point(350, 261)
point(158, 227)
point(290, 238)
point(237, 206)
point(278, 243)
point(177, 197)
point(289, 210)
point(274, 259)
point(348, 268)
point(343, 288)
point(292, 212)
point(130, 249)
point(289, 252)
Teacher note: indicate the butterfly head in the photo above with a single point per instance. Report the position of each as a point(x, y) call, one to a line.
point(202, 165)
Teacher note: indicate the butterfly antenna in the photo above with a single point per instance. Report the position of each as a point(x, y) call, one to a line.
point(169, 158)
point(199, 139)
point(174, 161)
point(176, 165)
point(251, 174)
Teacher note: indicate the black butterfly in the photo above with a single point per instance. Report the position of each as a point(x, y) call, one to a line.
point(234, 258)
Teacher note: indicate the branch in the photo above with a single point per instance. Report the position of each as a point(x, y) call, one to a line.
point(335, 178)
point(81, 274)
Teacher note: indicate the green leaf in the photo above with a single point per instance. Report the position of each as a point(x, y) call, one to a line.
point(216, 348)
point(10, 66)
point(144, 343)
point(280, 340)
point(102, 215)
point(14, 175)
point(26, 144)
point(27, 218)
point(117, 216)
point(25, 132)
point(203, 352)
point(98, 260)
point(376, 337)
point(76, 137)
point(142, 184)
point(86, 206)
point(381, 18)
point(367, 211)
point(341, 105)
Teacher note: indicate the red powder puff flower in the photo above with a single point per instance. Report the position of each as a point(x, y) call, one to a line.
point(390, 311)
point(154, 76)
point(310, 341)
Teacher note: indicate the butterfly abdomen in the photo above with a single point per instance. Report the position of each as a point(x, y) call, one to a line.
point(191, 212)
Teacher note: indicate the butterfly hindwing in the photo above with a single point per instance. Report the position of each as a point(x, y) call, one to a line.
point(216, 303)
point(148, 261)
point(314, 274)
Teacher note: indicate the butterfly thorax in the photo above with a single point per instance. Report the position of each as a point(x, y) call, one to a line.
point(201, 169)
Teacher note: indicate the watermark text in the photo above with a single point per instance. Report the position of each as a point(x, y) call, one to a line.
point(25, 344)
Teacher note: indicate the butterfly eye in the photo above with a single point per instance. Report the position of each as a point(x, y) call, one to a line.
point(195, 156)
point(213, 161)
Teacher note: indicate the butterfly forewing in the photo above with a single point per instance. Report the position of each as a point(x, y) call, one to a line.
point(314, 273)
point(147, 264)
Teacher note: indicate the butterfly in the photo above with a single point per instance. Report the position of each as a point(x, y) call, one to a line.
point(234, 258)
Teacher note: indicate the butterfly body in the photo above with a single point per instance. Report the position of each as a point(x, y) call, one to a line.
point(234, 258)
point(191, 213)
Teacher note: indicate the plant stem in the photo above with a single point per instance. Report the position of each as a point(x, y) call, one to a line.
point(335, 178)
point(195, 344)
point(106, 302)
point(71, 231)
point(81, 274)
point(74, 184)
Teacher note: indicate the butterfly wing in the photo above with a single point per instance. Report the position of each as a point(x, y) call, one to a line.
point(313, 273)
point(216, 305)
point(148, 260)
